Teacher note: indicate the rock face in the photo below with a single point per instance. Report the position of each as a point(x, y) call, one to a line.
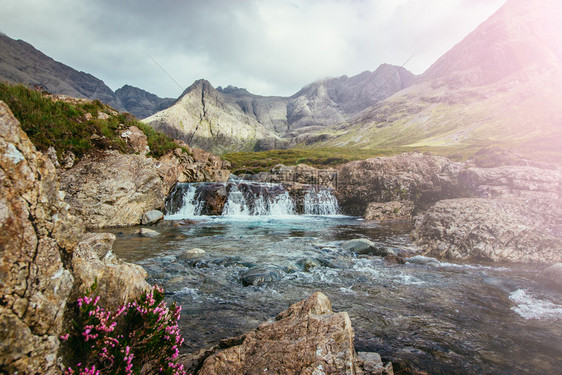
point(118, 281)
point(415, 177)
point(513, 214)
point(514, 229)
point(113, 189)
point(393, 210)
point(45, 258)
point(307, 338)
point(141, 103)
point(36, 233)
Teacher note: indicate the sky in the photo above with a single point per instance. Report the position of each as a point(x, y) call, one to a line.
point(269, 47)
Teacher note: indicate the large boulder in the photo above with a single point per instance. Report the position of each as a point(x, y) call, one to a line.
point(93, 261)
point(308, 338)
point(419, 178)
point(511, 228)
point(112, 189)
point(36, 233)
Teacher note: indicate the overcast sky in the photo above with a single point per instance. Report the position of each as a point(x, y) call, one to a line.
point(270, 47)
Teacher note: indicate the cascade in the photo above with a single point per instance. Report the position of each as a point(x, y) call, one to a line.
point(244, 198)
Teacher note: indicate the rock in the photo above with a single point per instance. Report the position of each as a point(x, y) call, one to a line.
point(359, 245)
point(68, 160)
point(152, 217)
point(419, 259)
point(394, 210)
point(192, 253)
point(112, 189)
point(136, 139)
point(415, 177)
point(309, 263)
point(394, 259)
point(510, 228)
point(260, 275)
point(382, 252)
point(145, 232)
point(36, 231)
point(371, 364)
point(308, 338)
point(553, 274)
point(118, 281)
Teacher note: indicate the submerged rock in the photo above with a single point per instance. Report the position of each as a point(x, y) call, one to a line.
point(145, 232)
point(260, 275)
point(308, 338)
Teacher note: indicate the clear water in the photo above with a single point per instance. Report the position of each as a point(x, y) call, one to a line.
point(440, 317)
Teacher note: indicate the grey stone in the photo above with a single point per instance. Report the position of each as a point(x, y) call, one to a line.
point(152, 217)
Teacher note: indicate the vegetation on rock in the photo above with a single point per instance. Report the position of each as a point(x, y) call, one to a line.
point(139, 335)
point(78, 126)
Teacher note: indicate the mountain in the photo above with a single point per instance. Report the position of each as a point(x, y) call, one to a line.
point(202, 117)
point(499, 86)
point(21, 63)
point(141, 103)
point(209, 118)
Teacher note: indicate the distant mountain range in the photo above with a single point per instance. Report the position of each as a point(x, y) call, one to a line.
point(20, 62)
point(229, 119)
point(499, 86)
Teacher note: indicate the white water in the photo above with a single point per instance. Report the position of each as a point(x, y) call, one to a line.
point(530, 306)
point(251, 199)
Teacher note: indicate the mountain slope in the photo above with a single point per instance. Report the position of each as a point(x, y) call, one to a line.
point(203, 117)
point(20, 62)
point(276, 122)
point(141, 103)
point(498, 86)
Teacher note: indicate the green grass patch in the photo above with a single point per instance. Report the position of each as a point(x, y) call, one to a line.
point(68, 127)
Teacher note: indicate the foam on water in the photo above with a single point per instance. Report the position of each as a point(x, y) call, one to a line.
point(530, 306)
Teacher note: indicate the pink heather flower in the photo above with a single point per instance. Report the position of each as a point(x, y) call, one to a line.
point(64, 337)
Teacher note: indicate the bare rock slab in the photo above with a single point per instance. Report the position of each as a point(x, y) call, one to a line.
point(307, 338)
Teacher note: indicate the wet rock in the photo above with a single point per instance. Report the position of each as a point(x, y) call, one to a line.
point(394, 259)
point(427, 261)
point(382, 252)
point(394, 210)
point(553, 274)
point(308, 338)
point(508, 228)
point(145, 232)
point(359, 245)
point(192, 254)
point(152, 217)
point(260, 275)
point(308, 263)
point(370, 363)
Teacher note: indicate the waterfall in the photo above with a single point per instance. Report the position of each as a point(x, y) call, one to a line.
point(320, 202)
point(243, 198)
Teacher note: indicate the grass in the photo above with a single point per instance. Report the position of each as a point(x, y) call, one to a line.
point(68, 128)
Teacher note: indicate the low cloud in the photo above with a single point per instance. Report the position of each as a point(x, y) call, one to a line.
point(269, 47)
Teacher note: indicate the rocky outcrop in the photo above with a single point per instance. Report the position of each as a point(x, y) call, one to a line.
point(112, 189)
point(136, 139)
point(415, 177)
point(45, 258)
point(393, 210)
point(307, 338)
point(513, 214)
point(514, 229)
point(36, 235)
point(117, 282)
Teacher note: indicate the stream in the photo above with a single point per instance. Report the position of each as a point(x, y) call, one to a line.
point(440, 317)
